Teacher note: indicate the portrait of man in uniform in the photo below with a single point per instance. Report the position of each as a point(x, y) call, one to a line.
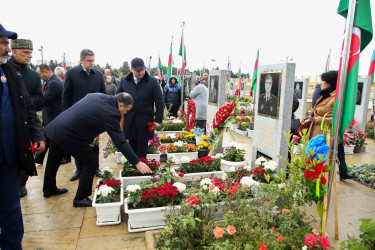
point(213, 89)
point(298, 89)
point(269, 94)
point(359, 93)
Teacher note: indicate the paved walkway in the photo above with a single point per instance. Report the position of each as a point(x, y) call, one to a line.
point(53, 223)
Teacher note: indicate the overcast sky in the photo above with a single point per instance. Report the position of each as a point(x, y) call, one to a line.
point(118, 31)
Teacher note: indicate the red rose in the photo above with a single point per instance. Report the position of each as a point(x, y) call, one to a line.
point(181, 174)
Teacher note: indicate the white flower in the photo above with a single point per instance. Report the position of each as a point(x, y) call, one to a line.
point(179, 143)
point(260, 160)
point(104, 190)
point(133, 188)
point(224, 176)
point(247, 181)
point(123, 160)
point(304, 247)
point(232, 169)
point(173, 171)
point(180, 186)
point(247, 168)
point(177, 121)
point(185, 159)
point(271, 165)
point(205, 183)
point(216, 190)
point(218, 156)
point(172, 158)
point(107, 169)
point(240, 147)
point(236, 145)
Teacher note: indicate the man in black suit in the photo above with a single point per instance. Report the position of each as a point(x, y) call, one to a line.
point(147, 94)
point(51, 104)
point(79, 81)
point(268, 101)
point(74, 130)
point(19, 125)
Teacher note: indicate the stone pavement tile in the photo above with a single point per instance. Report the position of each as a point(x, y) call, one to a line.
point(90, 229)
point(128, 241)
point(355, 205)
point(348, 188)
point(52, 221)
point(55, 239)
point(90, 212)
point(38, 205)
point(65, 203)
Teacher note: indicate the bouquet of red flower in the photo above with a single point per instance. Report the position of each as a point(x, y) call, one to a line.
point(222, 115)
point(129, 170)
point(164, 195)
point(204, 164)
point(239, 173)
point(150, 126)
point(191, 109)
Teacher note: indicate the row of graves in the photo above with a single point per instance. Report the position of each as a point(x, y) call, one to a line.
point(203, 194)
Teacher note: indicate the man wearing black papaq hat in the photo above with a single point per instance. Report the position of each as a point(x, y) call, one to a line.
point(19, 125)
point(147, 94)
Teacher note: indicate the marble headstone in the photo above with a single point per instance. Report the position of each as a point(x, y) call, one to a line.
point(273, 112)
point(362, 102)
point(231, 88)
point(243, 88)
point(301, 87)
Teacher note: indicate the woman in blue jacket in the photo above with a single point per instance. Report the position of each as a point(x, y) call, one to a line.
point(172, 96)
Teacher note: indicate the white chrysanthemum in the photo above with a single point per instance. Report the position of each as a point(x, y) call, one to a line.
point(123, 160)
point(247, 168)
point(179, 143)
point(205, 183)
point(133, 188)
point(218, 156)
point(240, 147)
point(104, 190)
point(216, 190)
point(172, 158)
point(177, 121)
point(232, 169)
point(180, 186)
point(304, 247)
point(233, 144)
point(185, 159)
point(224, 176)
point(107, 169)
point(271, 165)
point(247, 181)
point(173, 171)
point(260, 160)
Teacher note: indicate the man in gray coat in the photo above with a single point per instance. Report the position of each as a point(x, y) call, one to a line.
point(199, 95)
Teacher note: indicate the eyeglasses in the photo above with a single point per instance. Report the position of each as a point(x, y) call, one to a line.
point(90, 61)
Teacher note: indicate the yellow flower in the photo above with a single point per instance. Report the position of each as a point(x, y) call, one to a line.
point(205, 137)
point(243, 123)
point(238, 117)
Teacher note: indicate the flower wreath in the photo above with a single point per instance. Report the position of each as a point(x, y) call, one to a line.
point(191, 110)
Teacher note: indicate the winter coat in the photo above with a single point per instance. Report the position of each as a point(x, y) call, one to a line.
point(110, 88)
point(316, 95)
point(172, 93)
point(321, 109)
point(78, 84)
point(200, 96)
point(27, 124)
point(146, 95)
point(31, 79)
point(51, 105)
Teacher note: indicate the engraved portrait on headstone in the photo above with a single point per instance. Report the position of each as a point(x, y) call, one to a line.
point(268, 104)
point(187, 84)
point(298, 89)
point(242, 86)
point(359, 93)
point(232, 86)
point(213, 89)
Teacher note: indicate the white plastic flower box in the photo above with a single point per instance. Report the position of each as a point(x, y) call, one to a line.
point(241, 132)
point(132, 180)
point(160, 133)
point(118, 157)
point(348, 149)
point(191, 155)
point(154, 156)
point(233, 126)
point(108, 213)
point(226, 165)
point(196, 176)
point(250, 133)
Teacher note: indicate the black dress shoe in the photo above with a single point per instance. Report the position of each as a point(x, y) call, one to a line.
point(99, 173)
point(23, 191)
point(86, 202)
point(346, 176)
point(76, 175)
point(65, 161)
point(58, 191)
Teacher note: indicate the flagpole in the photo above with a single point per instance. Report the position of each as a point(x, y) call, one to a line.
point(182, 67)
point(328, 60)
point(339, 100)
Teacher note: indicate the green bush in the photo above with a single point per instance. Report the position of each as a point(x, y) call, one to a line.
point(369, 130)
point(367, 237)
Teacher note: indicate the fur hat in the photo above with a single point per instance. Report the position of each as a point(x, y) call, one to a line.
point(330, 77)
point(22, 44)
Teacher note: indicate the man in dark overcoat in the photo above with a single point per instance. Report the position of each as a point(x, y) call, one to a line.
point(74, 130)
point(20, 126)
point(147, 94)
point(79, 81)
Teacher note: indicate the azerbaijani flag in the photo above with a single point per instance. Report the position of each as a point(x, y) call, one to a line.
point(159, 69)
point(203, 70)
point(169, 70)
point(255, 75)
point(182, 72)
point(239, 76)
point(372, 68)
point(327, 63)
point(360, 38)
point(64, 63)
point(228, 70)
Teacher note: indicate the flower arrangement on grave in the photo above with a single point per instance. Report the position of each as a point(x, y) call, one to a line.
point(130, 170)
point(242, 126)
point(204, 164)
point(369, 127)
point(264, 170)
point(204, 144)
point(153, 145)
point(221, 117)
point(250, 125)
point(348, 139)
point(189, 136)
point(110, 148)
point(180, 146)
point(163, 149)
point(172, 125)
point(182, 115)
point(108, 188)
point(166, 139)
point(359, 138)
point(191, 111)
point(234, 152)
point(236, 174)
point(95, 142)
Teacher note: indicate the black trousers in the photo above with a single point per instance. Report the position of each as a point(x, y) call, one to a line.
point(174, 110)
point(95, 150)
point(343, 168)
point(139, 147)
point(88, 162)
